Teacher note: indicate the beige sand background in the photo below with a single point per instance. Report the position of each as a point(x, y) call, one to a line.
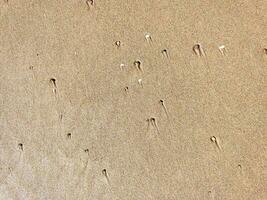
point(56, 139)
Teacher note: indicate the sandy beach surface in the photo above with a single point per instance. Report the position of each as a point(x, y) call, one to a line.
point(133, 100)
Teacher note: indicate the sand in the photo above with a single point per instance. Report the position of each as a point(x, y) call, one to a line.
point(133, 100)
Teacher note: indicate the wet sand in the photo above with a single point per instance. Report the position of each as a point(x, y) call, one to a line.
point(133, 100)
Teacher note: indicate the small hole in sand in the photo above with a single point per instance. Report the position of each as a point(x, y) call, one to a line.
point(53, 81)
point(126, 89)
point(118, 43)
point(198, 50)
point(137, 64)
point(20, 145)
point(89, 3)
point(165, 52)
point(104, 172)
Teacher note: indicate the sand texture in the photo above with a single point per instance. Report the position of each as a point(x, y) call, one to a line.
point(133, 99)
